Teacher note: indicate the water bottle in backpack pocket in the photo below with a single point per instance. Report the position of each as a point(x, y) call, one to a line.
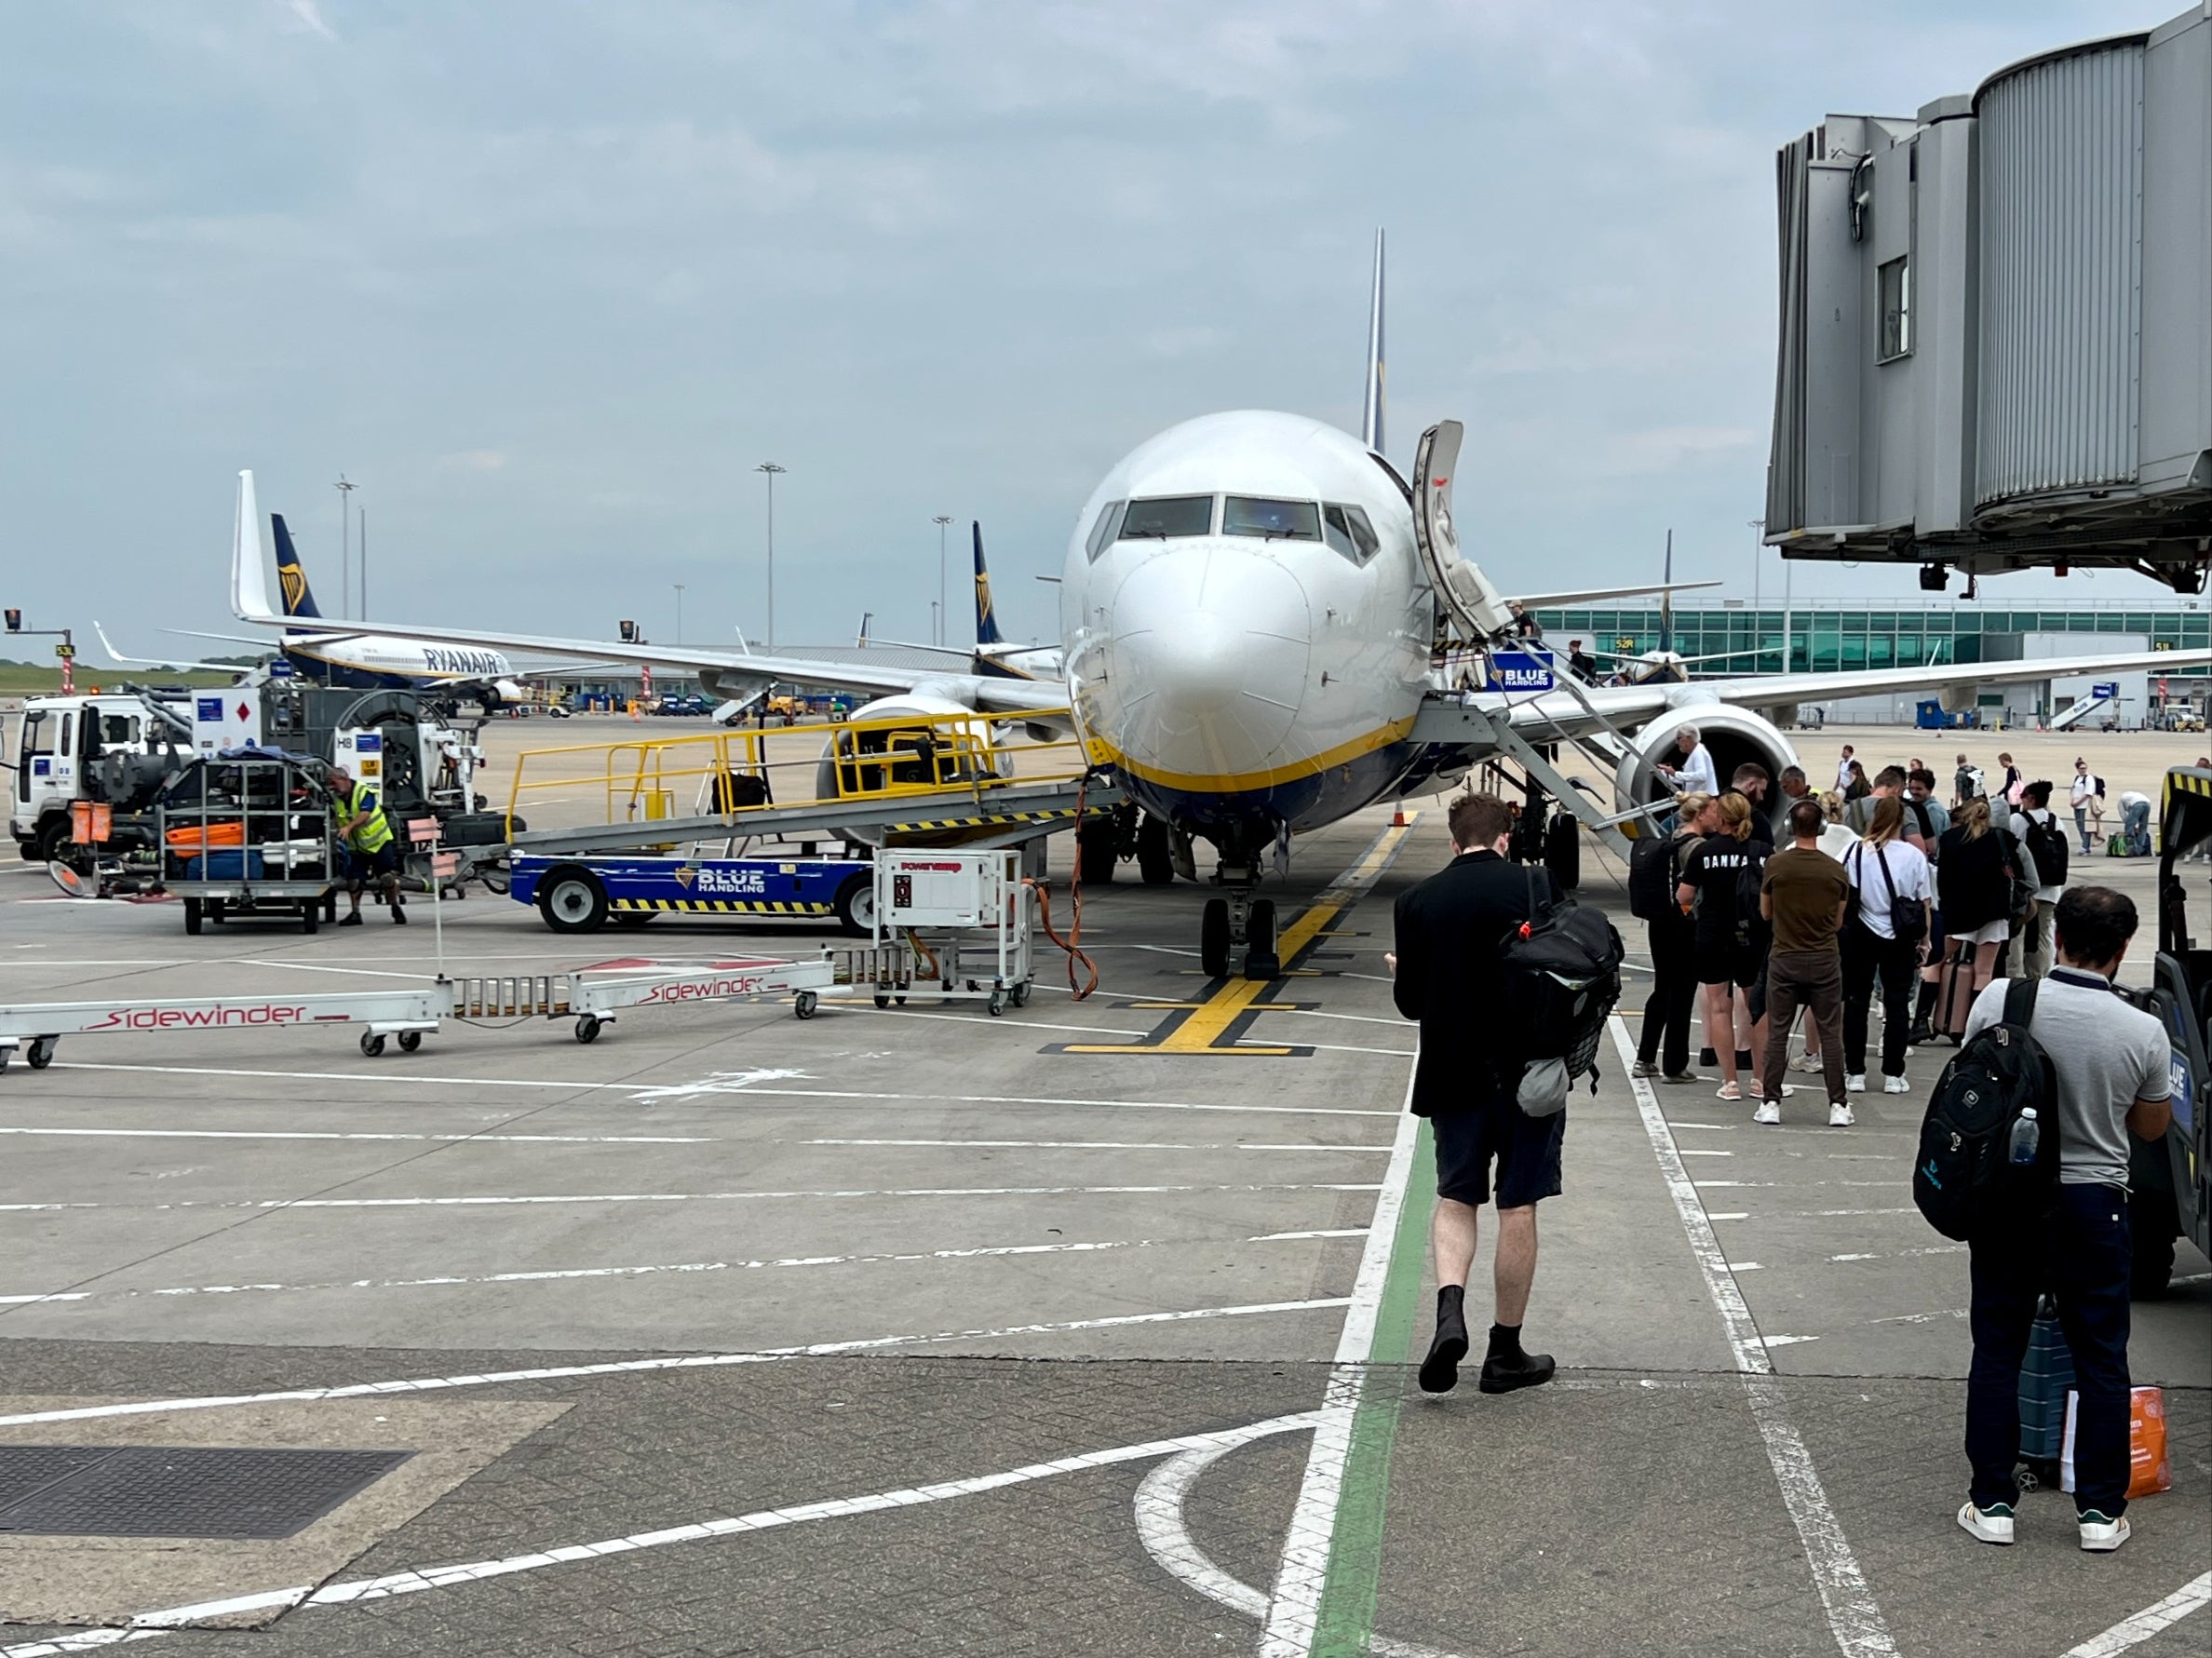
point(1989, 1145)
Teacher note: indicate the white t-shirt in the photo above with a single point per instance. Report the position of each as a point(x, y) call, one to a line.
point(2084, 788)
point(1907, 873)
point(1843, 771)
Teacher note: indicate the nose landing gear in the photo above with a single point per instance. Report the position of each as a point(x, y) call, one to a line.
point(1239, 916)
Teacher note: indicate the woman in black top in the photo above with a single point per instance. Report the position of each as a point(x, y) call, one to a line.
point(1729, 944)
point(1974, 892)
point(1859, 789)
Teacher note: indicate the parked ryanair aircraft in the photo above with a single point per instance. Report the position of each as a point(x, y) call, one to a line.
point(1256, 611)
point(363, 661)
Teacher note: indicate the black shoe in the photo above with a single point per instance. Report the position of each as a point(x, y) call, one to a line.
point(398, 915)
point(1920, 1036)
point(351, 919)
point(1504, 1373)
point(1439, 1371)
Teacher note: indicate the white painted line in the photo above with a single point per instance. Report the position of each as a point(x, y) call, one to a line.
point(1097, 1145)
point(2150, 1620)
point(682, 1362)
point(1160, 1527)
point(1293, 1610)
point(1853, 1616)
point(420, 1202)
point(401, 1077)
point(439, 1577)
point(560, 1275)
point(1920, 1317)
point(1904, 1254)
point(1332, 1231)
point(1701, 1152)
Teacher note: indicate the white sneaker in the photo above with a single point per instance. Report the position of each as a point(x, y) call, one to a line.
point(1769, 1112)
point(1993, 1524)
point(1895, 1084)
point(1840, 1117)
point(1855, 1083)
point(2100, 1536)
point(1808, 1063)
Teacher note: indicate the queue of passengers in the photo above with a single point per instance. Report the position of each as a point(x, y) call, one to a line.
point(1879, 892)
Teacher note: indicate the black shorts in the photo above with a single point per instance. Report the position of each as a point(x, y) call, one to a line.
point(370, 865)
point(1526, 1150)
point(1727, 962)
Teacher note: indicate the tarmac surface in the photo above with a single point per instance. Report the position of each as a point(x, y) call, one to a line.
point(913, 1330)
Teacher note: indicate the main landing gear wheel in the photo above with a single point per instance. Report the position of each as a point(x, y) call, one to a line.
point(1261, 961)
point(1097, 848)
point(1562, 851)
point(1155, 852)
point(1213, 938)
point(372, 1045)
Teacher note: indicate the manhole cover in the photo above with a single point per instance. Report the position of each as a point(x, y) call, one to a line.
point(154, 1490)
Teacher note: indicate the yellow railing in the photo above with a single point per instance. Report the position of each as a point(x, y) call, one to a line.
point(729, 774)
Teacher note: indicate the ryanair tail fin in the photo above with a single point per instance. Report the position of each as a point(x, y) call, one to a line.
point(987, 628)
point(298, 601)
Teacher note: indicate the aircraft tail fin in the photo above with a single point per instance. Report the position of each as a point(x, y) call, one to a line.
point(297, 599)
point(1370, 419)
point(987, 628)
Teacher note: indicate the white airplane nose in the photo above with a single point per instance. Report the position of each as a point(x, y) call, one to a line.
point(1208, 661)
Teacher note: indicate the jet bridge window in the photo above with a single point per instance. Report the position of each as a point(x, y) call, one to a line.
point(1166, 516)
point(1347, 530)
point(1271, 521)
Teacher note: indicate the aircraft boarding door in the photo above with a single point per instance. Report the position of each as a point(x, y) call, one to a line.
point(1462, 588)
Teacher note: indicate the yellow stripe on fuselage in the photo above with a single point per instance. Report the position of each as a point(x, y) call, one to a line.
point(1241, 782)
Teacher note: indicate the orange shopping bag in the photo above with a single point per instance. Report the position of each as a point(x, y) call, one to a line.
point(2150, 1467)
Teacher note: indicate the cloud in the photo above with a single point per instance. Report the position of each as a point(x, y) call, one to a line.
point(475, 460)
point(311, 15)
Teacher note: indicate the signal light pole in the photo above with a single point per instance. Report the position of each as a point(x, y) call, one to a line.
point(773, 470)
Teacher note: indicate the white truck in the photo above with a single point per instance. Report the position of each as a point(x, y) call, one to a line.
point(103, 749)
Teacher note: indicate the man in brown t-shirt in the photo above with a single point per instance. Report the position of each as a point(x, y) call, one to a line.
point(1803, 893)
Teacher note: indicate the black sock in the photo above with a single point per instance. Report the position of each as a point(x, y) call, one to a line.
point(1504, 1340)
point(1449, 1308)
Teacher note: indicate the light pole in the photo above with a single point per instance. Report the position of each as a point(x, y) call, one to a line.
point(1758, 626)
point(678, 613)
point(344, 541)
point(942, 617)
point(772, 469)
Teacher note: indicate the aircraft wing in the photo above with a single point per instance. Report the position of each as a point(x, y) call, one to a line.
point(1560, 713)
point(121, 660)
point(1530, 602)
point(733, 669)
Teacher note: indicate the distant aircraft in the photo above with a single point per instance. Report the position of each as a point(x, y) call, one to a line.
point(363, 661)
point(1255, 612)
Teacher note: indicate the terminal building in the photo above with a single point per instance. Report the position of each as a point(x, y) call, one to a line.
point(1838, 635)
point(1995, 341)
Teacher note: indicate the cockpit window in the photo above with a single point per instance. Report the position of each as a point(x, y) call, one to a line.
point(1164, 516)
point(1347, 530)
point(1101, 535)
point(1271, 521)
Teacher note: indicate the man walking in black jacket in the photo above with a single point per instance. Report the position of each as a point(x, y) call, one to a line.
point(1449, 976)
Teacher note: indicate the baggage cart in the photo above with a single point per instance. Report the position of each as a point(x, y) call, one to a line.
point(249, 836)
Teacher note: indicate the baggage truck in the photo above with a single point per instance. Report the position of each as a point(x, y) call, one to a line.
point(582, 894)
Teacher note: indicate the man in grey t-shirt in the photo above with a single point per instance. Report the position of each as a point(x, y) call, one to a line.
point(2114, 1078)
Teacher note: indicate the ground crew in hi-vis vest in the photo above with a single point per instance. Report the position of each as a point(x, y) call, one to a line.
point(372, 852)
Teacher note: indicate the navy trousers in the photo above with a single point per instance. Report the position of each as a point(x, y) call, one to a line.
point(2082, 1255)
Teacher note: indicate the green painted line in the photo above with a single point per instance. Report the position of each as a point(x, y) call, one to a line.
point(1345, 1618)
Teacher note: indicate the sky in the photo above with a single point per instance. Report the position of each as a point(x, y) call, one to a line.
point(548, 279)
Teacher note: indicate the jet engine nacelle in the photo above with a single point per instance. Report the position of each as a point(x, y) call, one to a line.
point(869, 755)
point(1731, 736)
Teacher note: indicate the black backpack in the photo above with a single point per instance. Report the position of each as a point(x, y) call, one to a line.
point(1654, 871)
point(1962, 1174)
point(2048, 845)
point(1562, 971)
